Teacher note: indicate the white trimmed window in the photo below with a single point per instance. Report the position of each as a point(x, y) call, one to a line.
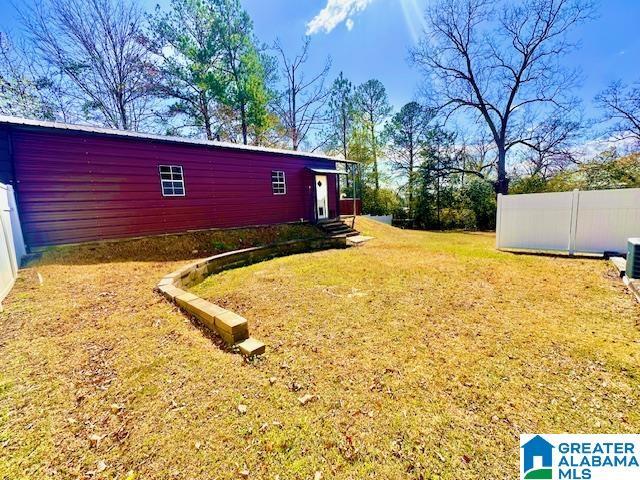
point(172, 181)
point(278, 182)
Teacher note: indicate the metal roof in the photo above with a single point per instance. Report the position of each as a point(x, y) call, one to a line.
point(17, 121)
point(327, 170)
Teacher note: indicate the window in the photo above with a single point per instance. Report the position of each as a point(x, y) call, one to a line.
point(172, 181)
point(278, 183)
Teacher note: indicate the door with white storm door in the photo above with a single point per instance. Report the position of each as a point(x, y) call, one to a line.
point(322, 197)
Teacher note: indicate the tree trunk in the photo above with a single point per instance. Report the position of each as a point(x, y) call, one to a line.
point(243, 119)
point(122, 111)
point(207, 128)
point(502, 184)
point(375, 158)
point(294, 124)
point(411, 184)
point(345, 146)
point(438, 197)
point(206, 117)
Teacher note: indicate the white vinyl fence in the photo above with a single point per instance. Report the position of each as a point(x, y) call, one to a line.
point(388, 219)
point(12, 247)
point(594, 221)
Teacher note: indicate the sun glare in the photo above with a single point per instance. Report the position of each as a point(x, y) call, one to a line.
point(413, 11)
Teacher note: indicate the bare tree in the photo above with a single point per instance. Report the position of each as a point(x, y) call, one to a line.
point(621, 105)
point(28, 86)
point(501, 60)
point(301, 104)
point(21, 94)
point(552, 147)
point(97, 48)
point(470, 159)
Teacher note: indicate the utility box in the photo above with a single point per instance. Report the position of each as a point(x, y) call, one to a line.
point(633, 258)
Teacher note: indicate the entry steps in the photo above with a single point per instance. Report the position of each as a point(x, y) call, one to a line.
point(337, 228)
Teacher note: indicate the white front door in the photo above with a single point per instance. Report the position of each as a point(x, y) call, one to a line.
point(322, 198)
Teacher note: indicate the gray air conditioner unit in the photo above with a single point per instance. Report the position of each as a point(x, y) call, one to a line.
point(633, 258)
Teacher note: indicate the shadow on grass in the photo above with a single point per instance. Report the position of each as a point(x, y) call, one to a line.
point(577, 256)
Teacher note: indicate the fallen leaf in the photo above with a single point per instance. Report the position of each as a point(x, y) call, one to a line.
point(94, 440)
point(306, 398)
point(102, 466)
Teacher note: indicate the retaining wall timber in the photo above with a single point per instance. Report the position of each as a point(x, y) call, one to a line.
point(233, 328)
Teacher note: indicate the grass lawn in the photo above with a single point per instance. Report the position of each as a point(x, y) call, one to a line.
point(423, 355)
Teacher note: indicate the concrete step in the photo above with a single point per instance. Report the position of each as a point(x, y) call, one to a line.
point(333, 226)
point(359, 240)
point(352, 233)
point(341, 229)
point(337, 228)
point(329, 222)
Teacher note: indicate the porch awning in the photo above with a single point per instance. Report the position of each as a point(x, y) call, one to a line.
point(327, 170)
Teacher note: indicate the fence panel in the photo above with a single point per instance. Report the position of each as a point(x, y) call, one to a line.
point(11, 244)
point(538, 221)
point(587, 222)
point(16, 228)
point(606, 219)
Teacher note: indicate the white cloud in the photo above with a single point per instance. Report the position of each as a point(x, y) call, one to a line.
point(334, 13)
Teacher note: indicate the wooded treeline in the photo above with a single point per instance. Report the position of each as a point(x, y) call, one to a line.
point(496, 112)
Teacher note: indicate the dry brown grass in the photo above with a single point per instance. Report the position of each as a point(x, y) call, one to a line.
point(426, 355)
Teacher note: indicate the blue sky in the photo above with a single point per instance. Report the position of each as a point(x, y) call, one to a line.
point(381, 32)
point(378, 42)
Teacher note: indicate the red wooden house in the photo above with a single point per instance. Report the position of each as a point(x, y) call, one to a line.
point(77, 183)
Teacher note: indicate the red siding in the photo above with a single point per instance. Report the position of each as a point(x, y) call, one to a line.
point(75, 187)
point(346, 206)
